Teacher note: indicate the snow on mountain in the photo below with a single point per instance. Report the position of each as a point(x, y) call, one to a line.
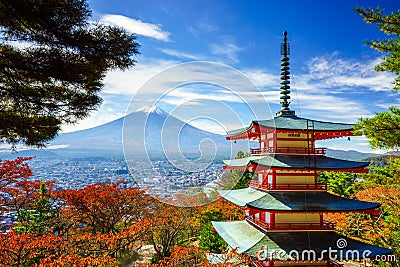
point(148, 129)
point(152, 109)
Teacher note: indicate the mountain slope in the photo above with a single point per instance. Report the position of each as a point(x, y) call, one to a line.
point(151, 130)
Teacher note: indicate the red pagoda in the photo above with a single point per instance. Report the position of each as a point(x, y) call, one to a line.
point(285, 205)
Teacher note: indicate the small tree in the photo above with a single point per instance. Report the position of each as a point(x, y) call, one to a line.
point(35, 219)
point(209, 238)
point(341, 183)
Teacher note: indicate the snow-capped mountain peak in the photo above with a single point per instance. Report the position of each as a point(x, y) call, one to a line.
point(152, 110)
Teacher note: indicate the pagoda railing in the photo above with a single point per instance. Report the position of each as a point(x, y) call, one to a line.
point(325, 225)
point(281, 187)
point(257, 222)
point(288, 151)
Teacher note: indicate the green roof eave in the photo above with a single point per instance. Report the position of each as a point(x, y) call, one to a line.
point(297, 162)
point(240, 130)
point(298, 123)
point(294, 123)
point(311, 162)
point(242, 162)
point(250, 240)
point(317, 242)
point(243, 196)
point(239, 234)
point(309, 202)
point(294, 201)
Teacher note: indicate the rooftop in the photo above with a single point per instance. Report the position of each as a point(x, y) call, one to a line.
point(295, 123)
point(297, 201)
point(249, 240)
point(318, 162)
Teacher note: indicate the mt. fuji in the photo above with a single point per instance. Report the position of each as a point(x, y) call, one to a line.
point(148, 130)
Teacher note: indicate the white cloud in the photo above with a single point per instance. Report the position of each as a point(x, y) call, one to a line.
point(319, 93)
point(262, 78)
point(128, 82)
point(334, 72)
point(357, 143)
point(201, 28)
point(228, 50)
point(178, 54)
point(206, 27)
point(182, 95)
point(136, 26)
point(329, 86)
point(329, 107)
point(101, 116)
point(6, 148)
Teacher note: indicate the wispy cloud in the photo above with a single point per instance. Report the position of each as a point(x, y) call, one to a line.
point(332, 87)
point(207, 27)
point(109, 111)
point(327, 88)
point(263, 78)
point(227, 50)
point(201, 28)
point(331, 71)
point(178, 54)
point(128, 82)
point(136, 26)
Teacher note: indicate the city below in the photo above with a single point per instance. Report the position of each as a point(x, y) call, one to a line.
point(159, 176)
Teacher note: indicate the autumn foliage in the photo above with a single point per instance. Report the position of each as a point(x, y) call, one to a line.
point(98, 225)
point(381, 185)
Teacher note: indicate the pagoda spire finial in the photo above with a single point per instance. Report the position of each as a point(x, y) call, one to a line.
point(285, 83)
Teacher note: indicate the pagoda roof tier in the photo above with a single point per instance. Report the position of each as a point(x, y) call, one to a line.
point(294, 201)
point(296, 162)
point(250, 240)
point(322, 129)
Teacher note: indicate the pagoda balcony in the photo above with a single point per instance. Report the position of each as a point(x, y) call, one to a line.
point(287, 187)
point(288, 151)
point(325, 225)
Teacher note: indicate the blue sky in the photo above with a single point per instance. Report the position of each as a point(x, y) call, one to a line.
point(332, 76)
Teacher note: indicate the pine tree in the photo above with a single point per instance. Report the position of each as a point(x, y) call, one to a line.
point(390, 25)
point(52, 62)
point(382, 130)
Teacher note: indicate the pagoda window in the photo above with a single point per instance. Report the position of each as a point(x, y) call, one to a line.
point(260, 178)
point(262, 145)
point(270, 179)
point(263, 137)
point(257, 216)
point(268, 217)
point(271, 143)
